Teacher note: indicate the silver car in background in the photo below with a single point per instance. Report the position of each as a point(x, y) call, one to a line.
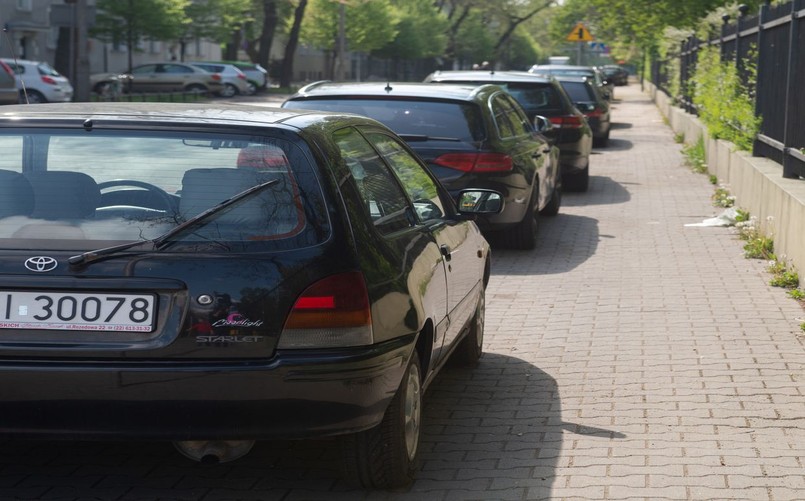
point(234, 80)
point(40, 81)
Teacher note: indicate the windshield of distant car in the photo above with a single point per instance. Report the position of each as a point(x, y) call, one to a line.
point(70, 189)
point(461, 121)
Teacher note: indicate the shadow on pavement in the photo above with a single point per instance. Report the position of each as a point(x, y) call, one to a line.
point(621, 125)
point(615, 144)
point(495, 430)
point(564, 242)
point(602, 191)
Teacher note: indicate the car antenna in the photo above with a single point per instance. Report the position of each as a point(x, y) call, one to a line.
point(16, 65)
point(388, 88)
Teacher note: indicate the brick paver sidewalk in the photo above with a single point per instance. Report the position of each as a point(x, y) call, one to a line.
point(640, 358)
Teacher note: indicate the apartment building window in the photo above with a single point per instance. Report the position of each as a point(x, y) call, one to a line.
point(26, 5)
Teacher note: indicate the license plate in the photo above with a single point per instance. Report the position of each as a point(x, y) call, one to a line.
point(72, 311)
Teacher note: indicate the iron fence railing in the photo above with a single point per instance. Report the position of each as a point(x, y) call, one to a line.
point(774, 40)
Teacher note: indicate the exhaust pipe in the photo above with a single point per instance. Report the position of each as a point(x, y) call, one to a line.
point(214, 451)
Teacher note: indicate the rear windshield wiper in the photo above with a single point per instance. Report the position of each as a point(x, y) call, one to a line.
point(158, 242)
point(423, 137)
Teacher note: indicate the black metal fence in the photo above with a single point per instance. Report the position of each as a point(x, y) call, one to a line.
point(775, 40)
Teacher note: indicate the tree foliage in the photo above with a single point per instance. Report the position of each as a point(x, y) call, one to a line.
point(370, 24)
point(421, 31)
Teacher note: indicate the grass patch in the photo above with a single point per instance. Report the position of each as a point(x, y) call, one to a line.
point(694, 156)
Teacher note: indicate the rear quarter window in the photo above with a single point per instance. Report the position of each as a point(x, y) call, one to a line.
point(578, 91)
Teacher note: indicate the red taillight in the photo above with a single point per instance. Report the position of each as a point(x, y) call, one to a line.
point(337, 301)
point(594, 113)
point(476, 162)
point(49, 80)
point(241, 76)
point(216, 77)
point(566, 122)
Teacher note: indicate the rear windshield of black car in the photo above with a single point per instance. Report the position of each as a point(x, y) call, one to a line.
point(443, 119)
point(73, 190)
point(535, 97)
point(579, 92)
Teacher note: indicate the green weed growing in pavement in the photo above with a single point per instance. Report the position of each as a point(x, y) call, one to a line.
point(783, 277)
point(694, 156)
point(757, 246)
point(797, 294)
point(741, 216)
point(679, 138)
point(713, 179)
point(722, 197)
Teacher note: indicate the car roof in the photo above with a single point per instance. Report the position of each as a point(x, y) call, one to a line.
point(173, 113)
point(487, 76)
point(552, 67)
point(457, 92)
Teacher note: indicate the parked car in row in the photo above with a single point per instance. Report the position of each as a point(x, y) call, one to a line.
point(468, 136)
point(8, 85)
point(604, 86)
point(39, 82)
point(216, 275)
point(234, 80)
point(589, 101)
point(618, 75)
point(541, 96)
point(160, 77)
point(256, 75)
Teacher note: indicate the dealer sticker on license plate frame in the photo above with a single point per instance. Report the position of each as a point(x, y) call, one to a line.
point(77, 311)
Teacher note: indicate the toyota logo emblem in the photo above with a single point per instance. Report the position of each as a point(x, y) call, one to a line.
point(41, 263)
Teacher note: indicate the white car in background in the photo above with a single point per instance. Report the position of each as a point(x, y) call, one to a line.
point(43, 83)
point(234, 80)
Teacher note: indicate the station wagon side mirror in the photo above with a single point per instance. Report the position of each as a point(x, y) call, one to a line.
point(542, 124)
point(479, 201)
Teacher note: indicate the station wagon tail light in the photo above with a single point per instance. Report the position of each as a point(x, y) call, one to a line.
point(594, 113)
point(46, 79)
point(216, 77)
point(333, 312)
point(566, 122)
point(241, 76)
point(476, 162)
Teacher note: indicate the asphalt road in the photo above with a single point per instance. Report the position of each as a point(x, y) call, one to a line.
point(628, 356)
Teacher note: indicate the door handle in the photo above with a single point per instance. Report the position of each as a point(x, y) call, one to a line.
point(445, 250)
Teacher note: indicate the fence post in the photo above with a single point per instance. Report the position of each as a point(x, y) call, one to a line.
point(739, 63)
point(791, 89)
point(725, 20)
point(761, 51)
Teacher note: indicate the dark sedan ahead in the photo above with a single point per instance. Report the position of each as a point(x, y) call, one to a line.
point(541, 96)
point(216, 275)
point(589, 101)
point(468, 136)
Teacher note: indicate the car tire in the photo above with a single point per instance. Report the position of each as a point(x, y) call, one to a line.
point(251, 88)
point(229, 90)
point(552, 208)
point(470, 349)
point(578, 181)
point(34, 97)
point(524, 234)
point(386, 456)
point(601, 142)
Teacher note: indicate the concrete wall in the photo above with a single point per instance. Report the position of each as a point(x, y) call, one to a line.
point(757, 183)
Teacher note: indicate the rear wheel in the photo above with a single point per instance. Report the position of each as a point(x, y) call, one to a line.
point(386, 456)
point(552, 208)
point(229, 90)
point(34, 96)
point(468, 353)
point(196, 89)
point(578, 181)
point(524, 235)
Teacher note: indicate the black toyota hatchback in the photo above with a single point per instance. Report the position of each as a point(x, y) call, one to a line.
point(468, 136)
point(215, 275)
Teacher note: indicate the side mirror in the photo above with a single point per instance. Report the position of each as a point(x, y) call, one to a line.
point(479, 201)
point(541, 124)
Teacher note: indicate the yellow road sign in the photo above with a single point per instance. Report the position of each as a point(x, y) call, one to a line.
point(580, 34)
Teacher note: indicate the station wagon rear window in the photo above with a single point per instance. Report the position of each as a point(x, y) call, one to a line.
point(73, 189)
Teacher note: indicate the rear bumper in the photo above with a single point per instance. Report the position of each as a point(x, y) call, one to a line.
point(295, 395)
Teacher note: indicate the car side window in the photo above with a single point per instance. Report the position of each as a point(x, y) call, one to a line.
point(144, 70)
point(500, 113)
point(382, 196)
point(175, 68)
point(421, 188)
point(518, 122)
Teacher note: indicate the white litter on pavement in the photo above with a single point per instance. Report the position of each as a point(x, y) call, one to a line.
point(726, 218)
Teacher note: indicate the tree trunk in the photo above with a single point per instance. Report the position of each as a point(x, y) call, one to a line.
point(62, 62)
point(231, 49)
point(270, 21)
point(286, 75)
